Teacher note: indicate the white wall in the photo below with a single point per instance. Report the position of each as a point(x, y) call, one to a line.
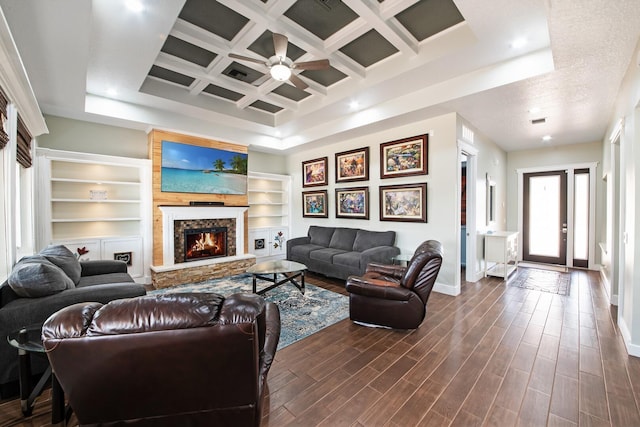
point(628, 109)
point(443, 218)
point(555, 156)
point(491, 160)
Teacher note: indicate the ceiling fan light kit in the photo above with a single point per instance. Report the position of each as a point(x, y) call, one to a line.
point(280, 72)
point(281, 67)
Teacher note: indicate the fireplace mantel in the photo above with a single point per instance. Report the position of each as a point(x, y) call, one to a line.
point(176, 213)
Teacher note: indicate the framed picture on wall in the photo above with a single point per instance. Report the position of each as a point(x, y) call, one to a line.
point(314, 172)
point(314, 204)
point(407, 203)
point(352, 203)
point(352, 165)
point(404, 157)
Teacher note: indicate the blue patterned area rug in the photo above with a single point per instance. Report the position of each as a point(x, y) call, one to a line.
point(300, 315)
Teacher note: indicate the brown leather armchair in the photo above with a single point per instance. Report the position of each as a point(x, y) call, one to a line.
point(395, 296)
point(177, 359)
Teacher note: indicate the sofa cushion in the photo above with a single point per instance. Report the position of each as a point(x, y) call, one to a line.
point(303, 251)
point(343, 238)
point(35, 277)
point(61, 256)
point(325, 255)
point(348, 259)
point(320, 235)
point(103, 279)
point(368, 239)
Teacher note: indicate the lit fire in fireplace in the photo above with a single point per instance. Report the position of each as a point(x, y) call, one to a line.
point(201, 244)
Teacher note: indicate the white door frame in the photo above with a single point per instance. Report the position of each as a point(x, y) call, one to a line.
point(471, 275)
point(592, 166)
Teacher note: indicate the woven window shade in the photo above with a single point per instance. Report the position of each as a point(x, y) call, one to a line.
point(4, 138)
point(24, 145)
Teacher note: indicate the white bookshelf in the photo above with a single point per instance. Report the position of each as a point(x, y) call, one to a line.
point(269, 215)
point(98, 202)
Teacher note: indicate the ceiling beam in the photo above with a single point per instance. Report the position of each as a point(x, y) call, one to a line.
point(373, 18)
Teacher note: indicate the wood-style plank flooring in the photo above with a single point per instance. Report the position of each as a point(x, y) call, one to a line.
point(496, 355)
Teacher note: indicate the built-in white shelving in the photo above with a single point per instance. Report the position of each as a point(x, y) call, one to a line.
point(269, 213)
point(97, 203)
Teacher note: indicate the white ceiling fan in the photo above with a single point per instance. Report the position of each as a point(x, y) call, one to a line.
point(281, 67)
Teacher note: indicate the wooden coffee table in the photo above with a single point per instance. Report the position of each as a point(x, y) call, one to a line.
point(269, 271)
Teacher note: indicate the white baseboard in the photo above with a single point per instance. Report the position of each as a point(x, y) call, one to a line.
point(606, 284)
point(632, 349)
point(446, 289)
point(613, 299)
point(478, 275)
point(143, 280)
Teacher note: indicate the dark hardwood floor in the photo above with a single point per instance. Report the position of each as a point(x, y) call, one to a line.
point(496, 355)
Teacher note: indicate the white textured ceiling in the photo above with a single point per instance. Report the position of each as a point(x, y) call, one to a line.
point(571, 68)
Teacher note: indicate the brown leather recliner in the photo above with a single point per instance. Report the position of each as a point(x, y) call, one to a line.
point(395, 296)
point(177, 359)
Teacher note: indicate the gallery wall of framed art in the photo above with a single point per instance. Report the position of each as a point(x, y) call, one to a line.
point(401, 158)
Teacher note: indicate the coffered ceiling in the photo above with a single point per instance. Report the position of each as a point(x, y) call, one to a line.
point(391, 62)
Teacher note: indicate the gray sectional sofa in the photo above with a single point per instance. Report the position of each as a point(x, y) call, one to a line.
point(40, 285)
point(341, 252)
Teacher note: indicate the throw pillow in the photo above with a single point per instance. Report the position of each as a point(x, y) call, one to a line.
point(35, 276)
point(61, 256)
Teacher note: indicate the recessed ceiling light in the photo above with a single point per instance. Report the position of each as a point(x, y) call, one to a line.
point(354, 105)
point(546, 138)
point(134, 5)
point(518, 43)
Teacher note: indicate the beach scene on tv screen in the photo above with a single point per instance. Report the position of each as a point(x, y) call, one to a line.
point(195, 169)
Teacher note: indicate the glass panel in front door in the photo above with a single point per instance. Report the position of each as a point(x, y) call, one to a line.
point(545, 224)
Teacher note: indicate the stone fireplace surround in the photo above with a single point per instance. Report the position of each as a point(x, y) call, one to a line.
point(181, 225)
point(172, 273)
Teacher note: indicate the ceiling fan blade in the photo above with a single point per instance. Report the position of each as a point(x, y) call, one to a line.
point(246, 58)
point(297, 82)
point(320, 64)
point(280, 43)
point(260, 80)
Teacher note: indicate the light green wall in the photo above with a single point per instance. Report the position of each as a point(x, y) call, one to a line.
point(267, 163)
point(87, 137)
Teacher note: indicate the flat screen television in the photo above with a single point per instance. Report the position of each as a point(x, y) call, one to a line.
point(195, 169)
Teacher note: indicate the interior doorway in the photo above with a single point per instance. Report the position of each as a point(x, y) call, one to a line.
point(463, 214)
point(468, 237)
